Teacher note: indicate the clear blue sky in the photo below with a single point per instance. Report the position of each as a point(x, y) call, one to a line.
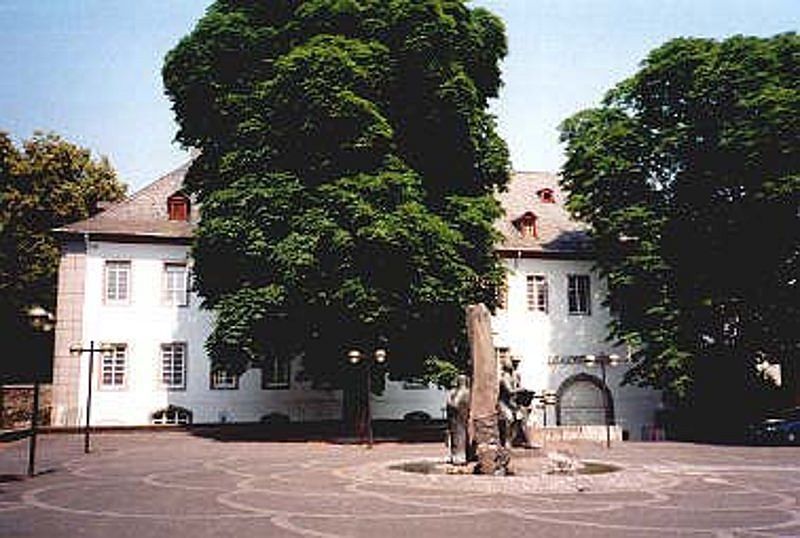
point(90, 69)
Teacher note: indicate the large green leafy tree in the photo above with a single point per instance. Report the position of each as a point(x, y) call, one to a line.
point(689, 175)
point(44, 183)
point(346, 175)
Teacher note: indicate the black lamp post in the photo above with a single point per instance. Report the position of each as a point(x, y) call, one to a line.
point(355, 357)
point(604, 361)
point(91, 350)
point(42, 321)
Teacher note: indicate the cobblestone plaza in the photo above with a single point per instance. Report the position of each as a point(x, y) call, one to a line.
point(158, 483)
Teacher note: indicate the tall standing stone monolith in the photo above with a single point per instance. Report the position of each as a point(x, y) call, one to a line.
point(492, 457)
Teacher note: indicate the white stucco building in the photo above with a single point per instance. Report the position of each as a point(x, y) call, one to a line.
point(123, 284)
point(553, 322)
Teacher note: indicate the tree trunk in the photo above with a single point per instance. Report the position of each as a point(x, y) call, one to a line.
point(354, 405)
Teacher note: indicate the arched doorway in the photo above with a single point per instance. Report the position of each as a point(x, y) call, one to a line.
point(583, 400)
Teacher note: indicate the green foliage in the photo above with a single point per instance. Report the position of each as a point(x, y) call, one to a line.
point(441, 373)
point(689, 175)
point(45, 183)
point(346, 178)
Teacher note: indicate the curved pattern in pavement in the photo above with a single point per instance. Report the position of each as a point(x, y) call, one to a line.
point(195, 488)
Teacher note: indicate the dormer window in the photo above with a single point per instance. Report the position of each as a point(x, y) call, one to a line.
point(178, 207)
point(526, 225)
point(546, 196)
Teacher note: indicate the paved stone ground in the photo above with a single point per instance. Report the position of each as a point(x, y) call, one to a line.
point(172, 483)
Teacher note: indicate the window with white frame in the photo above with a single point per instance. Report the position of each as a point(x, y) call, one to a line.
point(113, 365)
point(117, 281)
point(537, 293)
point(176, 284)
point(173, 365)
point(275, 373)
point(579, 295)
point(221, 379)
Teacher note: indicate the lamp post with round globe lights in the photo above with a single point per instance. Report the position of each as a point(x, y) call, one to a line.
point(356, 357)
point(604, 361)
point(42, 322)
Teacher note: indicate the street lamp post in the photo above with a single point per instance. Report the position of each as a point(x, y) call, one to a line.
point(548, 398)
point(604, 361)
point(42, 321)
point(355, 357)
point(91, 350)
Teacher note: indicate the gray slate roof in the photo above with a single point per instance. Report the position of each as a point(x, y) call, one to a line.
point(557, 232)
point(143, 216)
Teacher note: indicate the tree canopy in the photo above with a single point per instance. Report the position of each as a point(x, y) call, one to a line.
point(346, 175)
point(689, 175)
point(44, 183)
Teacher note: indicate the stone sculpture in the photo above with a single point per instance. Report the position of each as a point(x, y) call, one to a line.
point(458, 399)
point(492, 457)
point(521, 435)
point(514, 407)
point(506, 404)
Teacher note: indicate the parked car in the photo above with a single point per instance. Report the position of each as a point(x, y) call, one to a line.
point(778, 428)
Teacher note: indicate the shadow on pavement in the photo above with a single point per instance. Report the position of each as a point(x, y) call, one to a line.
point(323, 431)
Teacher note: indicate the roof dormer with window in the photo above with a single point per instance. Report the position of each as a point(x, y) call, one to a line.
point(178, 207)
point(546, 195)
point(526, 225)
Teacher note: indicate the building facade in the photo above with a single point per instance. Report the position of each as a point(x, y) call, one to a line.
point(552, 321)
point(124, 285)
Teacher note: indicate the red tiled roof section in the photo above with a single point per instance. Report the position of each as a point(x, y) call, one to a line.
point(556, 231)
point(144, 214)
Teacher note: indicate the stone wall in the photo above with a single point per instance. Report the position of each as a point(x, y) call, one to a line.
point(68, 332)
point(16, 402)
